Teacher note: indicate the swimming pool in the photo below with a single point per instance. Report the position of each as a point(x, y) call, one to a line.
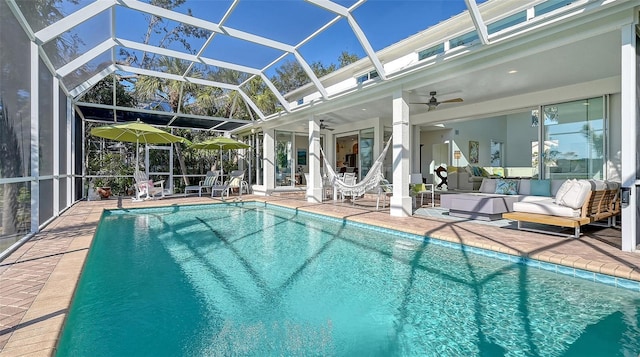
point(249, 279)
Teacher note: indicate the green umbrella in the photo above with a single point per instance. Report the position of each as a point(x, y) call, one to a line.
point(220, 143)
point(137, 132)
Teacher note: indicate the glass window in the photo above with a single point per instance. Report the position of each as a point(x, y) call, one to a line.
point(549, 6)
point(465, 39)
point(431, 51)
point(368, 76)
point(574, 137)
point(507, 22)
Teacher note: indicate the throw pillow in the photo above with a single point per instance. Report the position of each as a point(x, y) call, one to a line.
point(540, 187)
point(506, 187)
point(488, 185)
point(576, 195)
point(566, 186)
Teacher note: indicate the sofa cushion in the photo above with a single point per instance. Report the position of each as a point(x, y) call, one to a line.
point(540, 188)
point(524, 187)
point(555, 185)
point(506, 187)
point(546, 206)
point(488, 185)
point(575, 196)
point(564, 188)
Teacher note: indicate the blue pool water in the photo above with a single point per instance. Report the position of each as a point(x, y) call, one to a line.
point(250, 280)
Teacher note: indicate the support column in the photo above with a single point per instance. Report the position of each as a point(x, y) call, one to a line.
point(630, 109)
point(268, 173)
point(56, 145)
point(71, 155)
point(415, 149)
point(35, 138)
point(314, 186)
point(401, 203)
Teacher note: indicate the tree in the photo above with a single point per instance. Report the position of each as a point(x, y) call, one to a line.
point(10, 165)
point(102, 93)
point(346, 58)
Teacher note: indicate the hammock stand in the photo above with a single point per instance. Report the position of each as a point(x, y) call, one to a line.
point(369, 182)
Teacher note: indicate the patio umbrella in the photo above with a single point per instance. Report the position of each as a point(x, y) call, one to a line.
point(220, 143)
point(137, 132)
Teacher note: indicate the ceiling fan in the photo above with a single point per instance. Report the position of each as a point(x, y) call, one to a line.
point(433, 102)
point(324, 126)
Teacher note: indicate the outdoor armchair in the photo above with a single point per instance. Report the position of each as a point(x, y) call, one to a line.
point(212, 178)
point(146, 187)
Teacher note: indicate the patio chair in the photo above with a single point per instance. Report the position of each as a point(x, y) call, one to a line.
point(349, 178)
point(210, 180)
point(236, 180)
point(385, 189)
point(146, 187)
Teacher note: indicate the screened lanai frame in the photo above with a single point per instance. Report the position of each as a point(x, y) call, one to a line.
point(63, 180)
point(72, 76)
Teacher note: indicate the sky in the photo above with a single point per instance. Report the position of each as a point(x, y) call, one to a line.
point(384, 22)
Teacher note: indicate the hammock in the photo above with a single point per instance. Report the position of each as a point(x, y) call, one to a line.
point(370, 181)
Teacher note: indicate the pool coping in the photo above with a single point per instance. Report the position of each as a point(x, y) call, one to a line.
point(37, 331)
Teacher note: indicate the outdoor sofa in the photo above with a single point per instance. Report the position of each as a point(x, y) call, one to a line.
point(490, 202)
point(539, 201)
point(577, 203)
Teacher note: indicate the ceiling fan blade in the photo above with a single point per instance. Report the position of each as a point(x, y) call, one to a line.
point(455, 100)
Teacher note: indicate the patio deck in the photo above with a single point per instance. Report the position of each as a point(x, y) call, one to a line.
point(37, 281)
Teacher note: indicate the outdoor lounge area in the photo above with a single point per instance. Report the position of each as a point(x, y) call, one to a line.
point(293, 178)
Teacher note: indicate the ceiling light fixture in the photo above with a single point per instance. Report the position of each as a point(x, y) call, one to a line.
point(513, 71)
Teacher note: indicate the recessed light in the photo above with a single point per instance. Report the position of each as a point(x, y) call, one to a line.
point(364, 109)
point(512, 71)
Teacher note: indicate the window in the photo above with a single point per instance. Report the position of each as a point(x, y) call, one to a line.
point(431, 51)
point(575, 140)
point(507, 22)
point(368, 76)
point(549, 6)
point(465, 39)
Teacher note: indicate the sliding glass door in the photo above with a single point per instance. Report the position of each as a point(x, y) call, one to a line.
point(574, 137)
point(366, 151)
point(284, 157)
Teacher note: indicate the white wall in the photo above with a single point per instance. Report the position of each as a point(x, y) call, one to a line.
point(518, 144)
point(459, 134)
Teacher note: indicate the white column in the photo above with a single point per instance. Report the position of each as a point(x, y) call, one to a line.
point(314, 186)
point(56, 145)
point(71, 167)
point(268, 154)
point(35, 139)
point(401, 204)
point(415, 149)
point(629, 104)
